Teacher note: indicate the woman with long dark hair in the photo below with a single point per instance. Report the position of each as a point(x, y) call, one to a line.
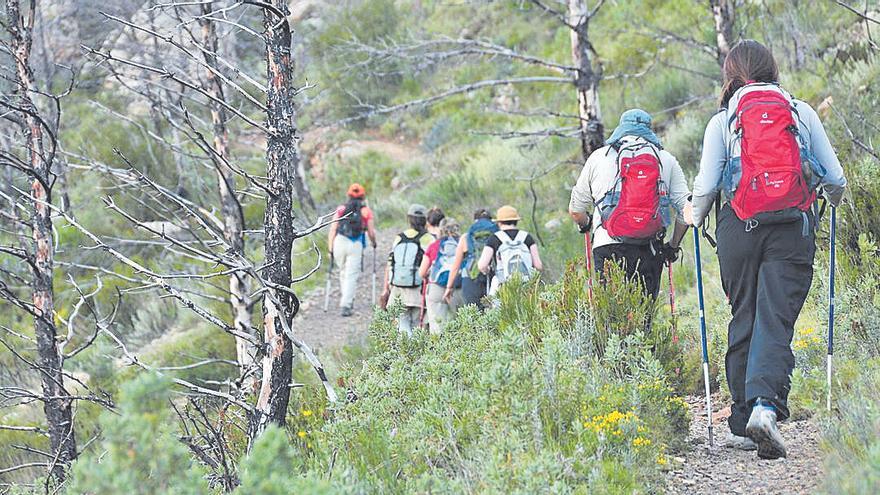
point(764, 156)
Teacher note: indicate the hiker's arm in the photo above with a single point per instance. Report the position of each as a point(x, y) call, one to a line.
point(582, 196)
point(456, 268)
point(485, 260)
point(678, 233)
point(536, 258)
point(582, 220)
point(425, 267)
point(834, 182)
point(678, 187)
point(708, 181)
point(456, 263)
point(331, 237)
point(371, 231)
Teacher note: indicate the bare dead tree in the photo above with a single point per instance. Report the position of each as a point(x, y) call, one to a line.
point(40, 145)
point(230, 207)
point(584, 72)
point(724, 13)
point(282, 158)
point(588, 77)
point(213, 245)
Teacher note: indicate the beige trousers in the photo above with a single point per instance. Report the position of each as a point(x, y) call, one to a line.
point(437, 310)
point(348, 255)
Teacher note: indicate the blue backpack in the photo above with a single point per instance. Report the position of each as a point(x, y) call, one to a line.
point(477, 236)
point(443, 264)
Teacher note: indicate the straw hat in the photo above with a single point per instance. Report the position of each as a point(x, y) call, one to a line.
point(507, 213)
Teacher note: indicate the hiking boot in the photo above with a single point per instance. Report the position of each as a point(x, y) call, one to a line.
point(346, 312)
point(740, 443)
point(763, 431)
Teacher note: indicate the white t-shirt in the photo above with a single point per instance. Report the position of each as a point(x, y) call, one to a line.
point(599, 176)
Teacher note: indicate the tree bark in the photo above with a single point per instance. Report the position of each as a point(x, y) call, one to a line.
point(724, 12)
point(282, 158)
point(587, 78)
point(230, 208)
point(57, 403)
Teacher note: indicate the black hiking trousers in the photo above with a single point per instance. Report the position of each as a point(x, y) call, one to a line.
point(643, 260)
point(474, 290)
point(766, 273)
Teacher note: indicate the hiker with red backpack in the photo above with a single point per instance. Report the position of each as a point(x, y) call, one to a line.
point(403, 283)
point(347, 241)
point(631, 185)
point(764, 155)
point(473, 282)
point(436, 269)
point(509, 252)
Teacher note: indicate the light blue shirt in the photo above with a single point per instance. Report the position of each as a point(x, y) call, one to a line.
point(707, 185)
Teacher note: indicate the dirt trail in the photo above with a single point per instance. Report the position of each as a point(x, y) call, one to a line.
point(723, 470)
point(330, 330)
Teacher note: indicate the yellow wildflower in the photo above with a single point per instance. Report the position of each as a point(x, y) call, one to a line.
point(306, 412)
point(301, 434)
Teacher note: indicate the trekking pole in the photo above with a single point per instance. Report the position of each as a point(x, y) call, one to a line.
point(672, 306)
point(831, 306)
point(703, 339)
point(327, 284)
point(374, 275)
point(588, 247)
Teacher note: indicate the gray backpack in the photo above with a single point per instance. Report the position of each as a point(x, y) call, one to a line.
point(405, 260)
point(512, 256)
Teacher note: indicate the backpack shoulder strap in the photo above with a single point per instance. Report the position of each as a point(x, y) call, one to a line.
point(503, 236)
point(521, 236)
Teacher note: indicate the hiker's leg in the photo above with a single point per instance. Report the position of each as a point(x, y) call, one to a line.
point(341, 246)
point(605, 255)
point(437, 310)
point(650, 270)
point(409, 319)
point(783, 283)
point(739, 256)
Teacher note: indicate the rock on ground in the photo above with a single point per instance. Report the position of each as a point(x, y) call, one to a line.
point(722, 470)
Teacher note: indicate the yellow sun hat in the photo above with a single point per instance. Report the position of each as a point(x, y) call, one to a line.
point(507, 213)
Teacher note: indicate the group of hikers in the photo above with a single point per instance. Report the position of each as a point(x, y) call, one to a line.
point(765, 160)
point(433, 269)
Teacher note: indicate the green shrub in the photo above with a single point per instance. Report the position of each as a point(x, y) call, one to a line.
point(139, 452)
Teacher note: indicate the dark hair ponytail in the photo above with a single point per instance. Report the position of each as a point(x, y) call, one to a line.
point(747, 61)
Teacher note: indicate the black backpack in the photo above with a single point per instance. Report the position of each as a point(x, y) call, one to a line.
point(352, 223)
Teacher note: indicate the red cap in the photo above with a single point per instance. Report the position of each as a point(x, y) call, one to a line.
point(356, 191)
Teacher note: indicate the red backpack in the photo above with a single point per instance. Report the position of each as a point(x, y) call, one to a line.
point(765, 123)
point(632, 211)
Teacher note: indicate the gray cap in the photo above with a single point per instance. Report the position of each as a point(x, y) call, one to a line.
point(416, 210)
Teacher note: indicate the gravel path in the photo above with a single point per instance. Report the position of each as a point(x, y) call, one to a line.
point(330, 331)
point(723, 470)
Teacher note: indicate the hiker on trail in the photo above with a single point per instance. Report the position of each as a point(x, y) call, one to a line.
point(509, 251)
point(348, 240)
point(473, 282)
point(764, 155)
point(436, 268)
point(434, 216)
point(402, 279)
point(630, 185)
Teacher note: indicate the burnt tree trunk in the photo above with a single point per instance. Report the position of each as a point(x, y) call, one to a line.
point(724, 12)
point(587, 78)
point(230, 208)
point(281, 161)
point(57, 403)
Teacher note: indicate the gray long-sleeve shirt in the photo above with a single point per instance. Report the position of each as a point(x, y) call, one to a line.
point(599, 176)
point(707, 185)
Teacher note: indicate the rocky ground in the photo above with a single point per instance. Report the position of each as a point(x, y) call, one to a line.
point(721, 470)
point(330, 330)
